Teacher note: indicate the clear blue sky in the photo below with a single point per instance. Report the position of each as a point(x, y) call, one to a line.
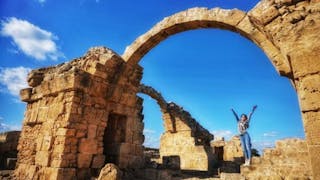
point(206, 71)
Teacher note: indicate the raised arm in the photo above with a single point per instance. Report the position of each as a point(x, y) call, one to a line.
point(252, 111)
point(235, 114)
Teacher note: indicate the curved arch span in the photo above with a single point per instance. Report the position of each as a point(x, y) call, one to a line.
point(195, 18)
point(148, 90)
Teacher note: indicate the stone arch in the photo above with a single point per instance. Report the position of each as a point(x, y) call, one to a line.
point(174, 115)
point(154, 94)
point(182, 132)
point(288, 33)
point(195, 18)
point(69, 105)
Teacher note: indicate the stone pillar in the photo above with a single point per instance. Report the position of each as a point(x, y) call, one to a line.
point(293, 27)
point(309, 95)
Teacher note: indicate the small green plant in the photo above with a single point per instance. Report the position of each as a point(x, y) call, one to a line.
point(255, 152)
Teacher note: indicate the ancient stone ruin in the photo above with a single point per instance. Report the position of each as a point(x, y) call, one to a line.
point(85, 113)
point(183, 136)
point(8, 149)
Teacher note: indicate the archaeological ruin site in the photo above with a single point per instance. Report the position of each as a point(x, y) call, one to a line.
point(84, 118)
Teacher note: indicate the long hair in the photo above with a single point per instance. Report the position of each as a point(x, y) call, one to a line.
point(244, 116)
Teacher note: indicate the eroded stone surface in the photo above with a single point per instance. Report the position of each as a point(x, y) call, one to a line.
point(288, 160)
point(183, 136)
point(69, 107)
point(92, 100)
point(110, 172)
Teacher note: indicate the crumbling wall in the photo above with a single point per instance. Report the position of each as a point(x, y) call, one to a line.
point(183, 136)
point(67, 114)
point(186, 138)
point(232, 150)
point(69, 104)
point(293, 27)
point(286, 30)
point(288, 160)
point(8, 149)
point(228, 155)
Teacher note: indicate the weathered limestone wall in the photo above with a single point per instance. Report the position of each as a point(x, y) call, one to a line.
point(8, 149)
point(232, 150)
point(286, 30)
point(228, 155)
point(183, 136)
point(293, 27)
point(288, 160)
point(9, 141)
point(183, 145)
point(67, 114)
point(71, 105)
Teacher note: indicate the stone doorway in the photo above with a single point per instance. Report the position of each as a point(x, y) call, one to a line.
point(114, 135)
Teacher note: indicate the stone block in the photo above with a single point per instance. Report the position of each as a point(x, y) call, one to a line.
point(88, 146)
point(92, 131)
point(314, 151)
point(305, 63)
point(84, 160)
point(25, 94)
point(264, 12)
point(138, 138)
point(309, 92)
point(80, 133)
point(231, 17)
point(138, 150)
point(25, 171)
point(59, 173)
point(42, 158)
point(231, 176)
point(312, 127)
point(110, 172)
point(65, 132)
point(35, 77)
point(123, 161)
point(255, 160)
point(98, 161)
point(126, 148)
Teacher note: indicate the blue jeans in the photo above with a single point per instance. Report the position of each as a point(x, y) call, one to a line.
point(246, 145)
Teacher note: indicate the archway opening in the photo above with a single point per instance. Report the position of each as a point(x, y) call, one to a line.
point(114, 136)
point(153, 127)
point(233, 73)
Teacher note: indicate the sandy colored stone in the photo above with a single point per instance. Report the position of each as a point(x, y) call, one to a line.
point(110, 172)
point(288, 160)
point(88, 146)
point(232, 149)
point(92, 131)
point(98, 161)
point(312, 124)
point(68, 105)
point(84, 160)
point(309, 92)
point(42, 158)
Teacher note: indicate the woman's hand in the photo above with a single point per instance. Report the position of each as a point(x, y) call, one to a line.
point(254, 107)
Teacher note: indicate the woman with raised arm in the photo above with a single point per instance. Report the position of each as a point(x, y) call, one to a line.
point(243, 125)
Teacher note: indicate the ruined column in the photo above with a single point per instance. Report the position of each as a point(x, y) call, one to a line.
point(293, 27)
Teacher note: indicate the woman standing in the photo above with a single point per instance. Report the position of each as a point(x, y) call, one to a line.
point(243, 125)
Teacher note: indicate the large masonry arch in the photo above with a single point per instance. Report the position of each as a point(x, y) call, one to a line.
point(72, 108)
point(288, 33)
point(195, 18)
